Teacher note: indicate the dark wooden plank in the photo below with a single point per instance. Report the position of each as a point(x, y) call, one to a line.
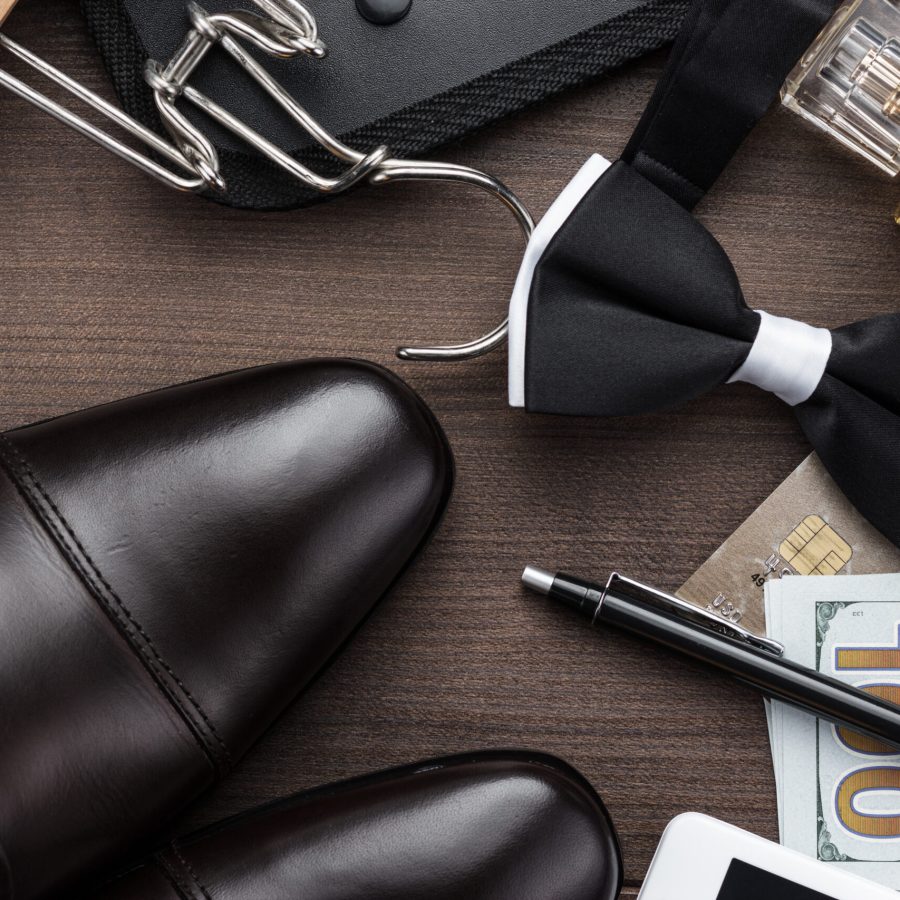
point(110, 284)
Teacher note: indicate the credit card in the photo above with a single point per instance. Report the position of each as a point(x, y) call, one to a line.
point(805, 527)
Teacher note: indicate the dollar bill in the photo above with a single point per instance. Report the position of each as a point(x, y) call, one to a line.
point(838, 792)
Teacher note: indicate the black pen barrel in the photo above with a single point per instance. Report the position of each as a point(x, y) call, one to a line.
point(777, 677)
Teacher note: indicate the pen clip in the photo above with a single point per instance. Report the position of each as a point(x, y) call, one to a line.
point(695, 614)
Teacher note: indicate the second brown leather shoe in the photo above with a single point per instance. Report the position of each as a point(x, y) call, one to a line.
point(175, 568)
point(482, 826)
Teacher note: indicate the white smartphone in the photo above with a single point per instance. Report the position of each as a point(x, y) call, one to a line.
point(700, 858)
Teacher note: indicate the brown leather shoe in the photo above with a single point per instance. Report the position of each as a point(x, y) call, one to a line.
point(175, 568)
point(485, 826)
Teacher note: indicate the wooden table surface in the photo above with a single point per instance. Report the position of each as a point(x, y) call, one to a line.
point(111, 284)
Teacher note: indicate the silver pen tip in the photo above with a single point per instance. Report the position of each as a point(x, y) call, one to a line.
point(538, 580)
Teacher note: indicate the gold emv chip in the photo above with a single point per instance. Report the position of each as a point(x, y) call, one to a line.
point(815, 548)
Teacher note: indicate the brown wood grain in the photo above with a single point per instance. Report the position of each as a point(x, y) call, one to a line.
point(110, 284)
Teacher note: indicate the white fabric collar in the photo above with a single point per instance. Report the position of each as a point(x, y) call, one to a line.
point(553, 220)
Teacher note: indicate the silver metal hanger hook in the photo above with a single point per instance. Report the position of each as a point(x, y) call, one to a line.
point(188, 160)
point(377, 166)
point(409, 170)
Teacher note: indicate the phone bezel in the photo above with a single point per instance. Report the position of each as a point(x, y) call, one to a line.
point(695, 852)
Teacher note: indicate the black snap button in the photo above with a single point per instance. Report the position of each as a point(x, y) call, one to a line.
point(383, 12)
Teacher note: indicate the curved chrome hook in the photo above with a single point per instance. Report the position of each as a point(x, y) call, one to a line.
point(376, 166)
point(411, 170)
point(280, 28)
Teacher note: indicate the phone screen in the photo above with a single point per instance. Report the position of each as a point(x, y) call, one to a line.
point(746, 882)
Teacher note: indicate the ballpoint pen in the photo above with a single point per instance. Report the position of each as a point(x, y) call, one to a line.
point(758, 661)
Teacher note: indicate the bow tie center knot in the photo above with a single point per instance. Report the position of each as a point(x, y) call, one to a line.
point(787, 358)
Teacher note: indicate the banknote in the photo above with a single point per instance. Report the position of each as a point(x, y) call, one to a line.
point(839, 792)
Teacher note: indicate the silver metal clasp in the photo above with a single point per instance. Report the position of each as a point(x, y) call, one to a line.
point(688, 611)
point(288, 31)
point(188, 161)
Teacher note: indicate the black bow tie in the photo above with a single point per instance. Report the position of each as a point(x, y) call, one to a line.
point(634, 306)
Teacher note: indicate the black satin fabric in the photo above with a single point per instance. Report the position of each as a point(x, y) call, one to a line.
point(635, 307)
point(853, 418)
point(725, 70)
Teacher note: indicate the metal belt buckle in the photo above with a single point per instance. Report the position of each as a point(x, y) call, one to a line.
point(188, 161)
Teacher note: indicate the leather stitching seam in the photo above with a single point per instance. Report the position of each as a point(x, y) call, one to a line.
point(190, 870)
point(182, 875)
point(171, 877)
point(215, 750)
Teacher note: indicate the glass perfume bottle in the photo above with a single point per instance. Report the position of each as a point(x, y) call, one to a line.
point(848, 82)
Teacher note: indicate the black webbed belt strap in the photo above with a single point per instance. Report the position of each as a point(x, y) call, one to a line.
point(725, 70)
